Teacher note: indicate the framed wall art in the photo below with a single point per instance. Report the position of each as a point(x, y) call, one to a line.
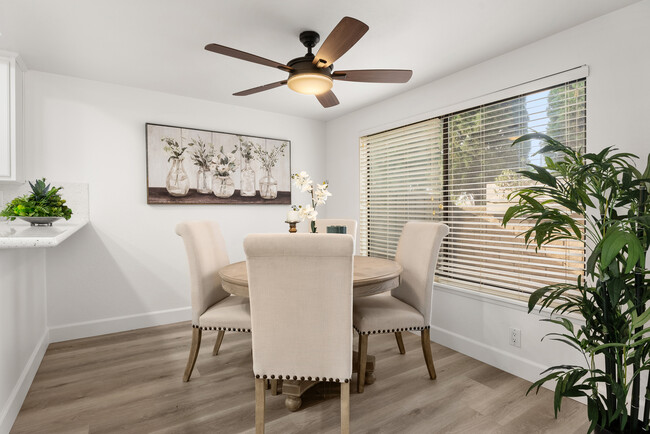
point(193, 166)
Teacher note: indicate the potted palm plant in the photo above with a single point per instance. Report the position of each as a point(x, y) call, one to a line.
point(599, 198)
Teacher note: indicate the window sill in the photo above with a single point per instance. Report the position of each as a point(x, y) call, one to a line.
point(502, 301)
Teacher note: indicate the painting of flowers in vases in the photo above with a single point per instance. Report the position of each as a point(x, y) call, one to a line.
point(194, 166)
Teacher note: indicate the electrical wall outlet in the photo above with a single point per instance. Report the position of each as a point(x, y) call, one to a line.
point(515, 337)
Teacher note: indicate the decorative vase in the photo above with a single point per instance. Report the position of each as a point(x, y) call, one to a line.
point(178, 184)
point(247, 180)
point(268, 186)
point(204, 181)
point(313, 226)
point(223, 186)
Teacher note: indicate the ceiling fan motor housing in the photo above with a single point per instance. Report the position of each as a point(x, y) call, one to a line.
point(306, 77)
point(302, 65)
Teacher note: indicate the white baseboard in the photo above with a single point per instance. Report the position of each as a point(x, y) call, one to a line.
point(118, 324)
point(19, 392)
point(511, 363)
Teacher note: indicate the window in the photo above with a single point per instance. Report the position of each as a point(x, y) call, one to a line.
point(459, 169)
point(401, 180)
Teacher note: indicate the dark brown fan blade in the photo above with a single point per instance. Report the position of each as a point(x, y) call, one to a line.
point(346, 33)
point(374, 75)
point(261, 88)
point(237, 54)
point(328, 99)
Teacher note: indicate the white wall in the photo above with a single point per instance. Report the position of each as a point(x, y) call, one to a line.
point(23, 328)
point(615, 47)
point(128, 268)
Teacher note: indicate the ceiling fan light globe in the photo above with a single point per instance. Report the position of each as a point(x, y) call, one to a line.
point(310, 83)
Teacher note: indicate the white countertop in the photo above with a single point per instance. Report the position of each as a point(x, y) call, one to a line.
point(17, 234)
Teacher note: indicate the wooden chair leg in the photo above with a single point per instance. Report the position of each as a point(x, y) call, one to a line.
point(363, 355)
point(426, 349)
point(274, 387)
point(194, 352)
point(217, 344)
point(400, 342)
point(345, 408)
point(260, 389)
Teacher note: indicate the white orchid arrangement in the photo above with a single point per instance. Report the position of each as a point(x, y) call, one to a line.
point(224, 164)
point(319, 195)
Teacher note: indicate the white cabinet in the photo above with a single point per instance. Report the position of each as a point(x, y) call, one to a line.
point(11, 117)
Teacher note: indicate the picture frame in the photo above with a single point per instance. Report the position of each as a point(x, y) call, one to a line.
point(197, 166)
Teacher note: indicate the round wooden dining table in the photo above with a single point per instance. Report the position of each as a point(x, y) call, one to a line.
point(371, 276)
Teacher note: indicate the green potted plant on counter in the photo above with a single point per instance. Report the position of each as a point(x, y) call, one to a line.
point(597, 198)
point(43, 206)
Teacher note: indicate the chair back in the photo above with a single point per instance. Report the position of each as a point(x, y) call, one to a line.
point(417, 253)
point(206, 254)
point(300, 288)
point(350, 224)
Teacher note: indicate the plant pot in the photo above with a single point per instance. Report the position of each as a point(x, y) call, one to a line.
point(612, 430)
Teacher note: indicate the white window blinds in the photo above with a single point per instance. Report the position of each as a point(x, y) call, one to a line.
point(467, 169)
point(401, 180)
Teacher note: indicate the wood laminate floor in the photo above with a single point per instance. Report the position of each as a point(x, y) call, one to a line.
point(131, 383)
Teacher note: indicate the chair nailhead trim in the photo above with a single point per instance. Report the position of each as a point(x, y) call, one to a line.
point(372, 332)
point(225, 329)
point(295, 377)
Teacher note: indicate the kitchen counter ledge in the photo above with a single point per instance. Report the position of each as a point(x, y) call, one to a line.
point(20, 235)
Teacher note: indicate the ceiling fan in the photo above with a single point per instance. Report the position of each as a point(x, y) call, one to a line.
point(314, 75)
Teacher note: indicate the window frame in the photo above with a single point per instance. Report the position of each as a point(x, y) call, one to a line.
point(445, 172)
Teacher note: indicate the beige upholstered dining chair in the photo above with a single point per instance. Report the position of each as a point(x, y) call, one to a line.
point(309, 275)
point(410, 304)
point(212, 307)
point(350, 224)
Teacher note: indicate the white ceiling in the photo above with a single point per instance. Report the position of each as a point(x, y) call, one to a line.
point(158, 44)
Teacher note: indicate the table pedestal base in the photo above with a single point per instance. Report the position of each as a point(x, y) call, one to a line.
point(294, 389)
